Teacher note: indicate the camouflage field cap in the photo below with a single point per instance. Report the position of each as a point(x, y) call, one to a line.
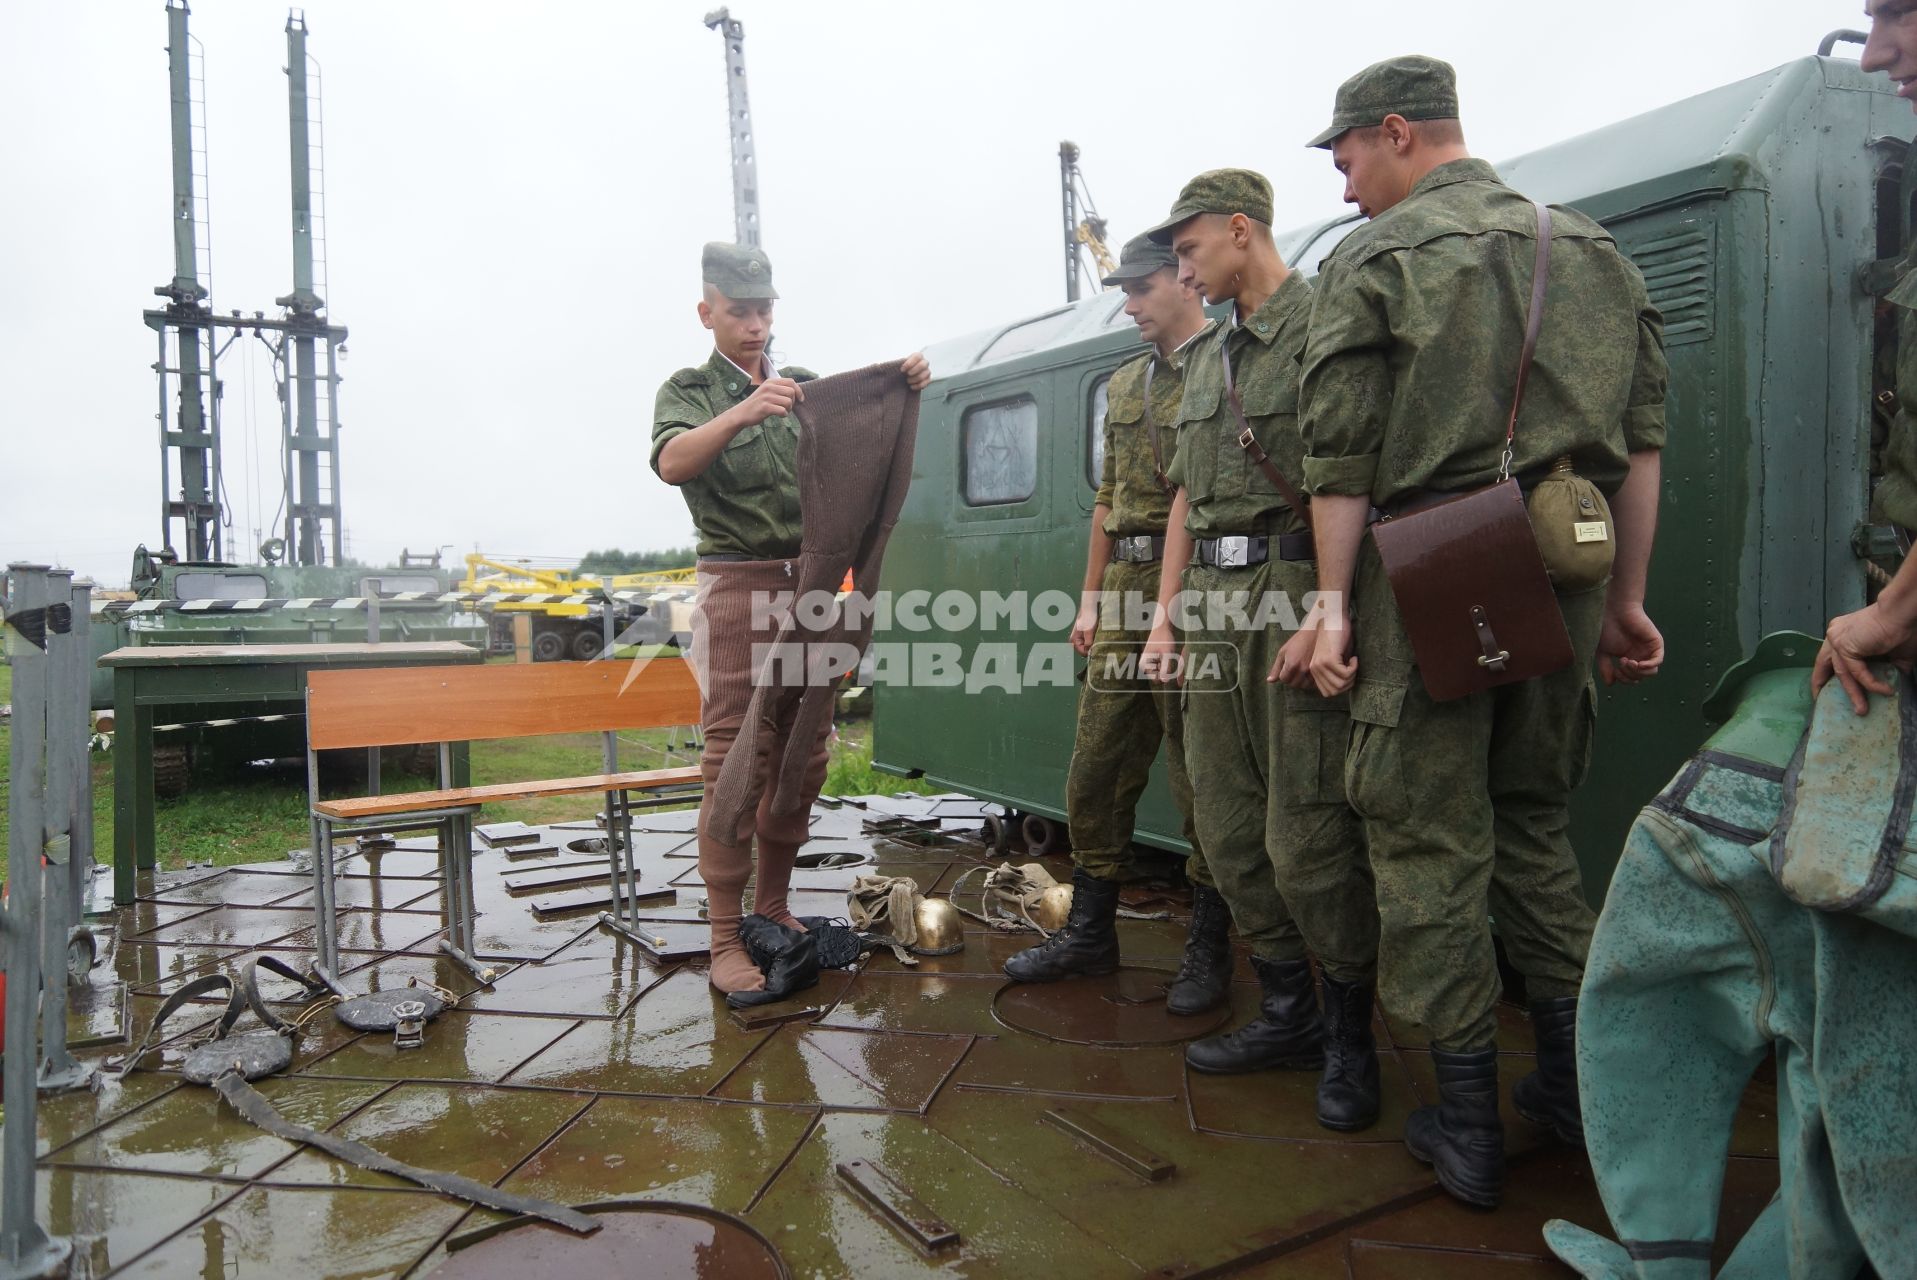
point(1224, 191)
point(1141, 256)
point(739, 272)
point(1413, 86)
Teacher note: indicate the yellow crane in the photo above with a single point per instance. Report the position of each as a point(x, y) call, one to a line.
point(566, 626)
point(1084, 229)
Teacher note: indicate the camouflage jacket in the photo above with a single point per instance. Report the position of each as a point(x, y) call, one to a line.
point(1127, 481)
point(747, 502)
point(1895, 500)
point(1226, 493)
point(1415, 337)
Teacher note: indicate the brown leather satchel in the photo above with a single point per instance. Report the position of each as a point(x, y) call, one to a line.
point(1469, 580)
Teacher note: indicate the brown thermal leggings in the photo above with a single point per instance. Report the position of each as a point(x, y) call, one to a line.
point(724, 631)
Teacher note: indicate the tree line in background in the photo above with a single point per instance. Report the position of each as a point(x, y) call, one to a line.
point(612, 560)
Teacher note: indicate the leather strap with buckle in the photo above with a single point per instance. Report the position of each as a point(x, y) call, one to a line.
point(1255, 451)
point(1493, 658)
point(1151, 430)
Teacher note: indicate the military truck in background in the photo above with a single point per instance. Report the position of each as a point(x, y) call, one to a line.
point(1766, 216)
point(179, 602)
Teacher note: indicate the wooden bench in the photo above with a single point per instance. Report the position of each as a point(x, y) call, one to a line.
point(394, 706)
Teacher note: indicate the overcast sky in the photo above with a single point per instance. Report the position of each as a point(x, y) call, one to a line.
point(517, 195)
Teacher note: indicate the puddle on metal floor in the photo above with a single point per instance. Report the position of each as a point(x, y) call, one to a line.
point(893, 1121)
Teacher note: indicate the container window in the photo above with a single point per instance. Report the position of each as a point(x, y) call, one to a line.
point(1001, 452)
point(220, 586)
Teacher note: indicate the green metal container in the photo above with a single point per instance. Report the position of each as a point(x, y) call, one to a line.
point(1753, 210)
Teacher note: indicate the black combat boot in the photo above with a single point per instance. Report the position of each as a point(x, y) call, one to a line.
point(1204, 979)
point(1087, 945)
point(1548, 1097)
point(1461, 1138)
point(1348, 1093)
point(1286, 1033)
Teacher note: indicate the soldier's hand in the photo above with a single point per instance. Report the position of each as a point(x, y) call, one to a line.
point(917, 372)
point(1085, 627)
point(771, 399)
point(1334, 665)
point(1852, 639)
point(1161, 659)
point(1630, 648)
point(1293, 666)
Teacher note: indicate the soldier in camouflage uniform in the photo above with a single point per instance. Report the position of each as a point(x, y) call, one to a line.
point(1122, 717)
point(1282, 843)
point(1407, 381)
point(723, 432)
point(1887, 627)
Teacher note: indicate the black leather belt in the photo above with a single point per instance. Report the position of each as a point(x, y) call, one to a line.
point(1139, 548)
point(726, 557)
point(1240, 550)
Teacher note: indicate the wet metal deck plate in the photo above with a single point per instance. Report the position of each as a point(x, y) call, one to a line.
point(894, 1121)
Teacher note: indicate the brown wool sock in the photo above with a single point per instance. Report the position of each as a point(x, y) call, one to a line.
point(774, 881)
point(724, 868)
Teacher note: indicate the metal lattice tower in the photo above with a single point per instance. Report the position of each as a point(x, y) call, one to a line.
point(305, 347)
point(745, 165)
point(308, 417)
point(189, 390)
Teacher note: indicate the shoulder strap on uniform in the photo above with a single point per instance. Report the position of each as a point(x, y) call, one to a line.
point(1255, 451)
point(1533, 323)
point(690, 378)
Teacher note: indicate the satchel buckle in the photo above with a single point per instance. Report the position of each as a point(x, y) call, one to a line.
point(1493, 658)
point(1247, 441)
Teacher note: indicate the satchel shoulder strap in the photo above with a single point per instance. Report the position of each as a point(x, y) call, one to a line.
point(1533, 322)
point(1151, 430)
point(1249, 442)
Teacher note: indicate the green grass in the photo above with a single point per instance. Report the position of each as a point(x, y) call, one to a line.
point(260, 813)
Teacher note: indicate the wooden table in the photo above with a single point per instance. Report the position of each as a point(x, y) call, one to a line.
point(237, 679)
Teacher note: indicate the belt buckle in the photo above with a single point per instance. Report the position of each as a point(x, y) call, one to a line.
point(1131, 546)
point(1234, 551)
point(1246, 439)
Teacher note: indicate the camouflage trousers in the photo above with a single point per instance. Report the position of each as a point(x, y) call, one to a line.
point(1466, 809)
point(1122, 718)
point(1285, 849)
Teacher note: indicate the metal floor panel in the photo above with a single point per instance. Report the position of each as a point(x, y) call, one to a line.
point(894, 1120)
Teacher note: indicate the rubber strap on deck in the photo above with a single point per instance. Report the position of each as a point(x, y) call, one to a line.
point(257, 1110)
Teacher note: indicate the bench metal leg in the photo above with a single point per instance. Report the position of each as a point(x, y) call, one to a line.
point(325, 906)
point(456, 861)
point(622, 870)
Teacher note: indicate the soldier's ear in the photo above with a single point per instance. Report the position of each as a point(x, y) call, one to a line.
point(705, 313)
point(1397, 132)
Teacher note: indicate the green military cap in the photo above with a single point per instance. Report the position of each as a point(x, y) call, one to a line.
point(738, 271)
point(1218, 191)
point(1141, 256)
point(1414, 86)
